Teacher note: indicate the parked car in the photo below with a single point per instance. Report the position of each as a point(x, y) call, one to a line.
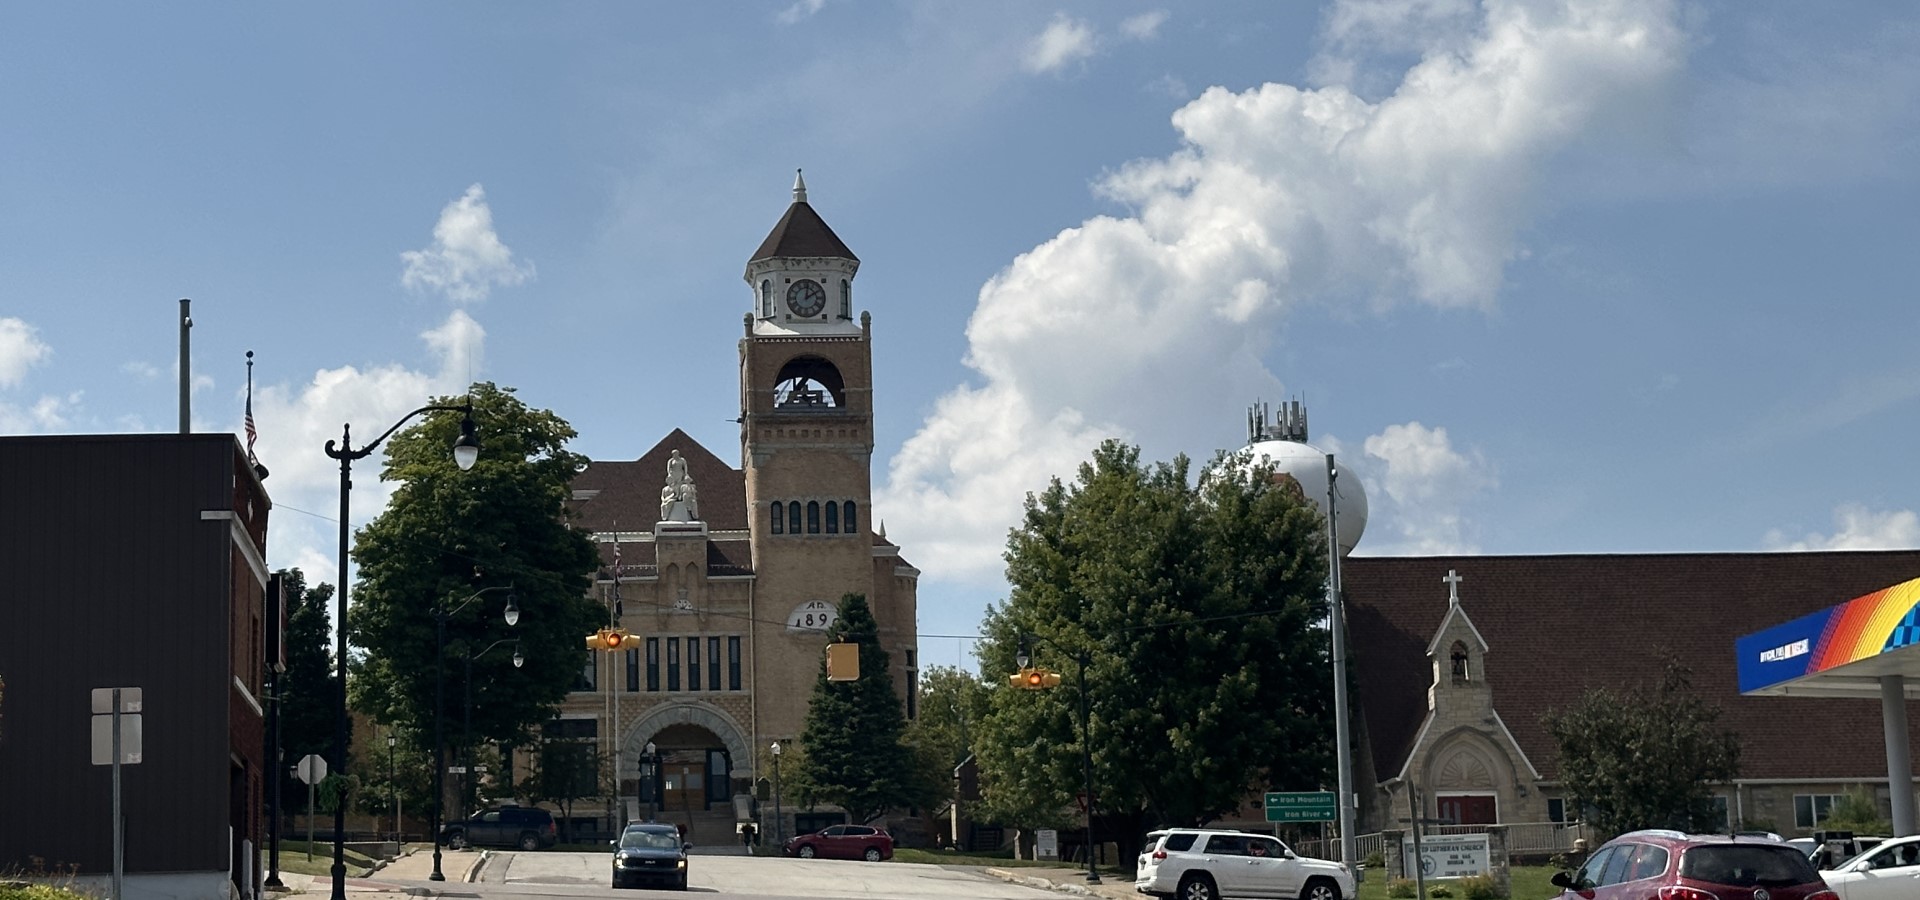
point(1205, 864)
point(1890, 871)
point(843, 842)
point(525, 827)
point(1830, 850)
point(1673, 865)
point(650, 853)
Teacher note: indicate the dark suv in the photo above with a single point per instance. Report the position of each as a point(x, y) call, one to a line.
point(1671, 865)
point(525, 827)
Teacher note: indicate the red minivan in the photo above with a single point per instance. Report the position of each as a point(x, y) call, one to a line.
point(1670, 865)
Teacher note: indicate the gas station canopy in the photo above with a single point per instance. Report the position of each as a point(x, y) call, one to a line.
point(1841, 651)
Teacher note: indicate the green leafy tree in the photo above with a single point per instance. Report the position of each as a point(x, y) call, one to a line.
point(950, 701)
point(309, 696)
point(1199, 612)
point(1645, 757)
point(1857, 811)
point(855, 754)
point(565, 771)
point(448, 534)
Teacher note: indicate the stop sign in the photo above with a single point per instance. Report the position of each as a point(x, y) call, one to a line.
point(311, 769)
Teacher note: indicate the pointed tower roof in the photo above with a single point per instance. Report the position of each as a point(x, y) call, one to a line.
point(801, 232)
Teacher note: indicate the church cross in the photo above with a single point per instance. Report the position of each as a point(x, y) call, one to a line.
point(1453, 580)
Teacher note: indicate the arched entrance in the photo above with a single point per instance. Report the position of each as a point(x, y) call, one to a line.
point(691, 771)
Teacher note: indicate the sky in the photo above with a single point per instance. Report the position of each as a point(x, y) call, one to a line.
point(1612, 276)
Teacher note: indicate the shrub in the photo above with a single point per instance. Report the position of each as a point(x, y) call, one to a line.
point(1439, 891)
point(1399, 887)
point(1479, 887)
point(1375, 860)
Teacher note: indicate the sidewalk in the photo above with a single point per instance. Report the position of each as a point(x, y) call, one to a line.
point(406, 874)
point(1071, 881)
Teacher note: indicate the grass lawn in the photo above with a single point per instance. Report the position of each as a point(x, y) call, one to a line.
point(1529, 883)
point(293, 858)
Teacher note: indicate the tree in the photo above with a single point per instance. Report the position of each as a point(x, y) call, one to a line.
point(1645, 757)
point(565, 771)
point(1857, 811)
point(446, 535)
point(309, 695)
point(950, 701)
point(855, 757)
point(1200, 613)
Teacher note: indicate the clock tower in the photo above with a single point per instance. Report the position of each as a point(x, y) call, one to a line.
point(806, 441)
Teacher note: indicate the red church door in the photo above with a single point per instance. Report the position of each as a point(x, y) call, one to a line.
point(1468, 809)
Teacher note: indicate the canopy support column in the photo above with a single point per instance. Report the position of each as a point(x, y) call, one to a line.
point(1893, 716)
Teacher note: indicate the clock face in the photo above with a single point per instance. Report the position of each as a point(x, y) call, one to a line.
point(806, 298)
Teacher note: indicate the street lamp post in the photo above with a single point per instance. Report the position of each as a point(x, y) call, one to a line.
point(779, 821)
point(1086, 744)
point(649, 766)
point(465, 451)
point(440, 617)
point(466, 723)
point(393, 791)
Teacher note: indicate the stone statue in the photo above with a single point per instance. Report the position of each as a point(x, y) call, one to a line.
point(679, 499)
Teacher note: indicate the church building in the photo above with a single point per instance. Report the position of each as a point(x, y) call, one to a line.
point(729, 576)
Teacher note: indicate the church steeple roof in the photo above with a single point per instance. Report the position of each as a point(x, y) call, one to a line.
point(801, 232)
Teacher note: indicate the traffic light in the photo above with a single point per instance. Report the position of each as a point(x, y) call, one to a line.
point(843, 661)
point(610, 639)
point(1035, 678)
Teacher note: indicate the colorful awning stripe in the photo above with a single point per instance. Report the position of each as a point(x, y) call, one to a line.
point(1858, 629)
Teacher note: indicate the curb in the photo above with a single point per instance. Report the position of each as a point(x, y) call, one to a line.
point(1035, 881)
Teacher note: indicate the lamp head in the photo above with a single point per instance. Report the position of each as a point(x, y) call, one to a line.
point(466, 449)
point(512, 613)
point(650, 748)
point(775, 749)
point(518, 659)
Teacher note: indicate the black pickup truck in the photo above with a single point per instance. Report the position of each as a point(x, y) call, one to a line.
point(524, 827)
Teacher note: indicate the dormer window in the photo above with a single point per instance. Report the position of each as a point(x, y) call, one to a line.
point(1458, 660)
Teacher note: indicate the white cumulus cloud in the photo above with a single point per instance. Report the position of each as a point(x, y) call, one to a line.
point(800, 10)
point(467, 259)
point(1279, 196)
point(1145, 26)
point(1065, 42)
point(1857, 528)
point(20, 350)
point(1419, 487)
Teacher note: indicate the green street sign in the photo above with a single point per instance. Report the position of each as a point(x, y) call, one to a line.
point(1304, 806)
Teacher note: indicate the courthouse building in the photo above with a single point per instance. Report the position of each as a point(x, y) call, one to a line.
point(729, 576)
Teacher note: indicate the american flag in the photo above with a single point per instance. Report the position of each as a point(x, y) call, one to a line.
point(252, 435)
point(616, 574)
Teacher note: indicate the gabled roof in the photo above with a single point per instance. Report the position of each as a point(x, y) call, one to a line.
point(1455, 611)
point(1558, 625)
point(628, 493)
point(802, 233)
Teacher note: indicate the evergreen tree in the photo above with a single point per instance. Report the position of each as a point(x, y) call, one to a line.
point(1200, 615)
point(1646, 757)
point(309, 695)
point(447, 535)
point(855, 756)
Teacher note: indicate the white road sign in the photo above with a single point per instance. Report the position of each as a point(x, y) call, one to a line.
point(311, 769)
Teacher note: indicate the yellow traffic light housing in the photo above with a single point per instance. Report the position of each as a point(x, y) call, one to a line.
point(1034, 678)
point(843, 661)
point(611, 639)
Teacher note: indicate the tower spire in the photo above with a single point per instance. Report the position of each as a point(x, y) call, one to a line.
point(799, 187)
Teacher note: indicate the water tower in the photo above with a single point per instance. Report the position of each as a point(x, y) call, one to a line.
point(1281, 441)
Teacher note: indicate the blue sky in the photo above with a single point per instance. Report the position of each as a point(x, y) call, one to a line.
point(1610, 276)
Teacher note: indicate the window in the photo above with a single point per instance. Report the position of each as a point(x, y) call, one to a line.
point(1616, 870)
point(1589, 875)
point(1809, 810)
point(713, 663)
point(1178, 842)
point(653, 664)
point(813, 517)
point(1458, 657)
point(1556, 810)
point(570, 729)
point(693, 663)
point(733, 663)
point(846, 299)
point(793, 518)
point(1649, 862)
point(673, 664)
point(779, 517)
point(766, 299)
point(1722, 815)
point(587, 673)
point(913, 686)
point(833, 518)
point(633, 669)
point(846, 518)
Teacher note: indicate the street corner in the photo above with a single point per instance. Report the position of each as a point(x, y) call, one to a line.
point(1067, 881)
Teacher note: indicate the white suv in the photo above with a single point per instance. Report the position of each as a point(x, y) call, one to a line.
point(1203, 864)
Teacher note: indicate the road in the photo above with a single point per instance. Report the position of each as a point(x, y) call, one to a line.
point(556, 874)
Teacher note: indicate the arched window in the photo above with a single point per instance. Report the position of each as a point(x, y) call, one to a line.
point(846, 299)
point(813, 517)
point(833, 517)
point(766, 299)
point(1458, 657)
point(779, 517)
point(793, 517)
point(853, 526)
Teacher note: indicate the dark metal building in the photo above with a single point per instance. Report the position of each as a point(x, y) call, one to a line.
point(133, 560)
